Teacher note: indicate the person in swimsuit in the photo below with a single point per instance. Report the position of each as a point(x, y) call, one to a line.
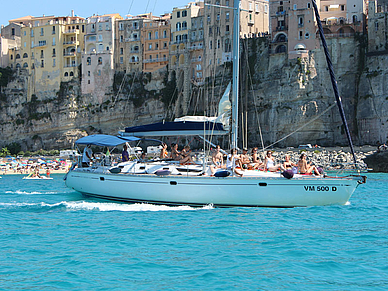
point(163, 152)
point(232, 161)
point(256, 162)
point(288, 164)
point(175, 154)
point(306, 168)
point(218, 160)
point(185, 155)
point(269, 163)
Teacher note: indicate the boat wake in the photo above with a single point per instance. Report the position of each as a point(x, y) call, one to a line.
point(95, 206)
point(19, 192)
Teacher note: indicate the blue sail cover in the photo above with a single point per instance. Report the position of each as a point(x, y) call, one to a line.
point(105, 140)
point(176, 128)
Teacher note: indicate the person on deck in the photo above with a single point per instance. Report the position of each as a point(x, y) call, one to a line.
point(269, 163)
point(175, 154)
point(306, 168)
point(245, 159)
point(87, 156)
point(256, 162)
point(185, 155)
point(125, 154)
point(232, 161)
point(163, 152)
point(287, 165)
point(217, 159)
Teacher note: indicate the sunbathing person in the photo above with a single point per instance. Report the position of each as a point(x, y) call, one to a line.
point(218, 160)
point(288, 164)
point(256, 162)
point(245, 159)
point(185, 155)
point(306, 168)
point(163, 152)
point(175, 154)
point(232, 161)
point(269, 163)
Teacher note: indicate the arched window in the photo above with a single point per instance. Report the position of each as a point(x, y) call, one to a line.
point(71, 74)
point(17, 56)
point(281, 49)
point(18, 66)
point(184, 25)
point(66, 74)
point(25, 65)
point(88, 61)
point(355, 19)
point(178, 26)
point(25, 55)
point(100, 60)
point(11, 57)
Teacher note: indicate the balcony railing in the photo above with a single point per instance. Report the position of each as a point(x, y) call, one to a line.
point(71, 54)
point(155, 60)
point(70, 31)
point(69, 42)
point(70, 65)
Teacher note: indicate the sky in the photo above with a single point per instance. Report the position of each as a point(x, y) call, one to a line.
point(85, 8)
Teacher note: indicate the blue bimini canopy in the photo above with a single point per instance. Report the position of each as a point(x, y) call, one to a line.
point(105, 140)
point(176, 129)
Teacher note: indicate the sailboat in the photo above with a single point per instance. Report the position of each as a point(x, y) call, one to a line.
point(165, 182)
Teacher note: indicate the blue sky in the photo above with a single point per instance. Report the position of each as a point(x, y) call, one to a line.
point(84, 8)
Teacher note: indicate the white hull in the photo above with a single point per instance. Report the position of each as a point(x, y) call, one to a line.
point(275, 191)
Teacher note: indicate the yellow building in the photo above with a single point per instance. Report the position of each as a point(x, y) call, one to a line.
point(50, 50)
point(155, 36)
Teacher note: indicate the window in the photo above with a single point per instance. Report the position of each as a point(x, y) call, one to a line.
point(100, 37)
point(121, 26)
point(178, 26)
point(32, 33)
point(54, 63)
point(300, 34)
point(218, 17)
point(25, 65)
point(100, 27)
point(150, 46)
point(41, 31)
point(88, 73)
point(211, 45)
point(308, 5)
point(156, 34)
point(326, 8)
point(307, 35)
point(121, 38)
point(342, 7)
point(88, 81)
point(178, 14)
point(25, 44)
point(227, 16)
point(53, 52)
point(184, 13)
point(13, 31)
point(295, 6)
point(164, 33)
point(41, 54)
point(107, 27)
point(53, 30)
point(71, 74)
point(121, 60)
point(156, 45)
point(42, 63)
point(53, 40)
point(66, 74)
point(149, 35)
point(218, 43)
point(184, 25)
point(227, 28)
point(376, 28)
point(25, 55)
point(88, 61)
point(121, 51)
point(100, 60)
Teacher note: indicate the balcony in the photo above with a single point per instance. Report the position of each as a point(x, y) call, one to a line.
point(159, 60)
point(70, 66)
point(280, 13)
point(70, 54)
point(40, 44)
point(70, 43)
point(72, 31)
point(281, 28)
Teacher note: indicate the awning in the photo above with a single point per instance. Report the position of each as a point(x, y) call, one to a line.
point(182, 128)
point(105, 140)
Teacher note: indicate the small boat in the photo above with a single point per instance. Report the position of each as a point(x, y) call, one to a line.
point(30, 177)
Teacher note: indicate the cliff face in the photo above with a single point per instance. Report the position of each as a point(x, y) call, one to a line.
point(278, 94)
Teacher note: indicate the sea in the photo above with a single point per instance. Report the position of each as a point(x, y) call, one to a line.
point(53, 238)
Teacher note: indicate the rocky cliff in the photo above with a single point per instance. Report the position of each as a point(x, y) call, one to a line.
point(278, 95)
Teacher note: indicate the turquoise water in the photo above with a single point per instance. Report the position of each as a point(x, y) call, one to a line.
point(52, 238)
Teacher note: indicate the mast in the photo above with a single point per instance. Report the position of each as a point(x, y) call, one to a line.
point(334, 81)
point(236, 61)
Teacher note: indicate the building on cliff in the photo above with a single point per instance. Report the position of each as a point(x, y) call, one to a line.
point(128, 53)
point(9, 42)
point(294, 28)
point(155, 38)
point(377, 22)
point(97, 57)
point(50, 50)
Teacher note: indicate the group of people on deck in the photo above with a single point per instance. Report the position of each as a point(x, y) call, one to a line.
point(253, 162)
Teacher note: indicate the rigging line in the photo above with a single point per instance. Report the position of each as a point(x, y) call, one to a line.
point(129, 94)
point(120, 88)
point(130, 7)
point(254, 101)
point(303, 126)
point(333, 80)
point(147, 6)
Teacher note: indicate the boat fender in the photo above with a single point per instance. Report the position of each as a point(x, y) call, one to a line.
point(222, 174)
point(295, 170)
point(288, 174)
point(162, 172)
point(115, 170)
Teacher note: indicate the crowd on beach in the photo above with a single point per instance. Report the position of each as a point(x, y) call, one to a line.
point(33, 166)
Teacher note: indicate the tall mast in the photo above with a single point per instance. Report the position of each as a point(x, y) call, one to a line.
point(236, 62)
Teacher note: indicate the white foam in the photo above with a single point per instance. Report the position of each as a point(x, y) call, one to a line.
point(348, 203)
point(83, 205)
point(19, 192)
